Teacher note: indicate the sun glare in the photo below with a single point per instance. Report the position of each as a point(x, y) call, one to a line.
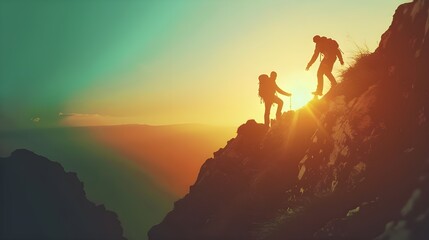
point(300, 85)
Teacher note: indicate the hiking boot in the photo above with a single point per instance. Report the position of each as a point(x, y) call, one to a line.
point(317, 93)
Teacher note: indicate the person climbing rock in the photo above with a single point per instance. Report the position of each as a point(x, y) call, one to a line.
point(329, 48)
point(267, 92)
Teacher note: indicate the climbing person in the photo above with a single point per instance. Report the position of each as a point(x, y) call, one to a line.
point(330, 50)
point(267, 92)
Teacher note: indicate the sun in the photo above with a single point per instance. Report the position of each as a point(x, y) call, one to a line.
point(301, 85)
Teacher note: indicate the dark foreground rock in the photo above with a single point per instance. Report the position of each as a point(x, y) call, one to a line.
point(39, 200)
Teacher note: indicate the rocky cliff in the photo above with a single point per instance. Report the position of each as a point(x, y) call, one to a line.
point(352, 165)
point(39, 200)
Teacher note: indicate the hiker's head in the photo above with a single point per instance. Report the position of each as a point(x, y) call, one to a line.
point(263, 77)
point(273, 75)
point(316, 38)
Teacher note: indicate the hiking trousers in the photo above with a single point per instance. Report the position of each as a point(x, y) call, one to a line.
point(268, 104)
point(325, 68)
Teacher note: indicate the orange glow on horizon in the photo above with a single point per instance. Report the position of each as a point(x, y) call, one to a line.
point(173, 170)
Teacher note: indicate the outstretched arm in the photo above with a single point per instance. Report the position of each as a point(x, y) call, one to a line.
point(340, 56)
point(279, 90)
point(313, 58)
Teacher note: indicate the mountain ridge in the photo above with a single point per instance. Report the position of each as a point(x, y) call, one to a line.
point(352, 165)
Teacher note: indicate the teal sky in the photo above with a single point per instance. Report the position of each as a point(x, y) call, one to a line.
point(164, 62)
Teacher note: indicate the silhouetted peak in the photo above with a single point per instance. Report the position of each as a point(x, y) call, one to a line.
point(408, 30)
point(22, 153)
point(252, 129)
point(42, 201)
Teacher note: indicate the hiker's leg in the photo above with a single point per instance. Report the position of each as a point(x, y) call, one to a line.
point(320, 73)
point(279, 103)
point(267, 113)
point(331, 79)
point(328, 72)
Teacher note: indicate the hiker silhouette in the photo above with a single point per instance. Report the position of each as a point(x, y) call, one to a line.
point(330, 50)
point(267, 92)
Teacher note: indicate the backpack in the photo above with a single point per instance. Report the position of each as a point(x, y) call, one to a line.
point(267, 88)
point(329, 46)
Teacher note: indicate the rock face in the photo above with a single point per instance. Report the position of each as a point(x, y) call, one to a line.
point(353, 165)
point(39, 200)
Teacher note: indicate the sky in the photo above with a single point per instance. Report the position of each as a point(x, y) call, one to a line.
point(102, 62)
